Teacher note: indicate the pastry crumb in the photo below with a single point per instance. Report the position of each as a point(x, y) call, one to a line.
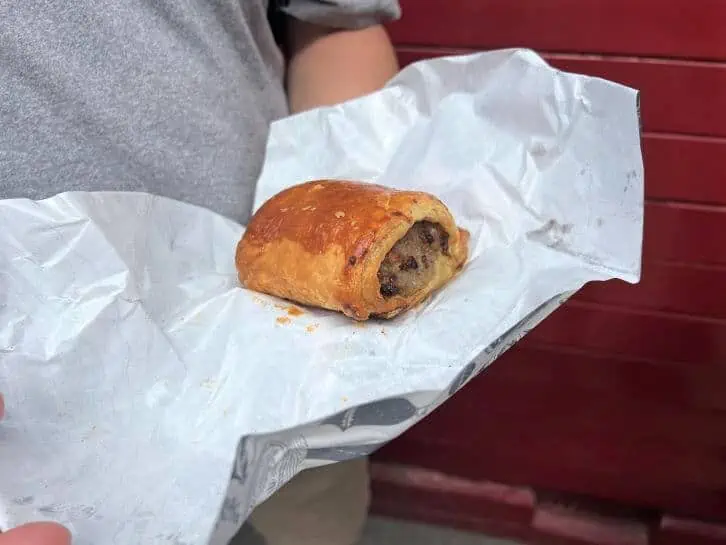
point(291, 310)
point(283, 320)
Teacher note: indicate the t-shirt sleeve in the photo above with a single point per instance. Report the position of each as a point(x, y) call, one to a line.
point(346, 14)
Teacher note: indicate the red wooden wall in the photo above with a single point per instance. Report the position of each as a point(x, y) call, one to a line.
point(620, 397)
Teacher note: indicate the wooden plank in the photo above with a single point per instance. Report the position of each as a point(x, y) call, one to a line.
point(676, 96)
point(593, 398)
point(677, 531)
point(635, 334)
point(433, 497)
point(654, 478)
point(681, 28)
point(514, 504)
point(612, 381)
point(569, 521)
point(419, 494)
point(685, 233)
point(684, 272)
point(685, 168)
point(668, 287)
point(624, 430)
point(564, 435)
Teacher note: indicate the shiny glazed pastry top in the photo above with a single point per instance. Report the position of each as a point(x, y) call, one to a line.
point(357, 248)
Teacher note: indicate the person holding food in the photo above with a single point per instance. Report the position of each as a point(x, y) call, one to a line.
point(175, 99)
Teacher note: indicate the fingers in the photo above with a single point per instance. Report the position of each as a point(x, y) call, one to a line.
point(37, 533)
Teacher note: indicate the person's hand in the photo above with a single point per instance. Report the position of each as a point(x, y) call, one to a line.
point(35, 533)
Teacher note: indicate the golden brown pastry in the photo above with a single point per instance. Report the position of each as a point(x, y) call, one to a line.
point(361, 249)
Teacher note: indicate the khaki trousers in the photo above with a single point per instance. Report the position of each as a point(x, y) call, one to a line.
point(327, 505)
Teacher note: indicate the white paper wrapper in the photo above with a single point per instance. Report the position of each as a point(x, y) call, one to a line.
point(152, 400)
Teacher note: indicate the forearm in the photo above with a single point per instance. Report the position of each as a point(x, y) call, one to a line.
point(327, 66)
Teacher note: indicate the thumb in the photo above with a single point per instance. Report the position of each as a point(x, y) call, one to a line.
point(37, 533)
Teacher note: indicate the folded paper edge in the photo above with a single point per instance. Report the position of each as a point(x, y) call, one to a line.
point(292, 451)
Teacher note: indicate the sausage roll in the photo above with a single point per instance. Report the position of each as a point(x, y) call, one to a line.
point(357, 248)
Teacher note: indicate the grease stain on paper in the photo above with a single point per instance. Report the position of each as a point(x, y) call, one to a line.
point(552, 234)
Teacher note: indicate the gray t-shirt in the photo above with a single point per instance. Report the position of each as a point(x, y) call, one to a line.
point(172, 97)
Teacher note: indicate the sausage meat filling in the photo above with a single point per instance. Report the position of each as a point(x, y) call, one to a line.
point(410, 264)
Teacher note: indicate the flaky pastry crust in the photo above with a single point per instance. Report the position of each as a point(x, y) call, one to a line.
point(321, 244)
